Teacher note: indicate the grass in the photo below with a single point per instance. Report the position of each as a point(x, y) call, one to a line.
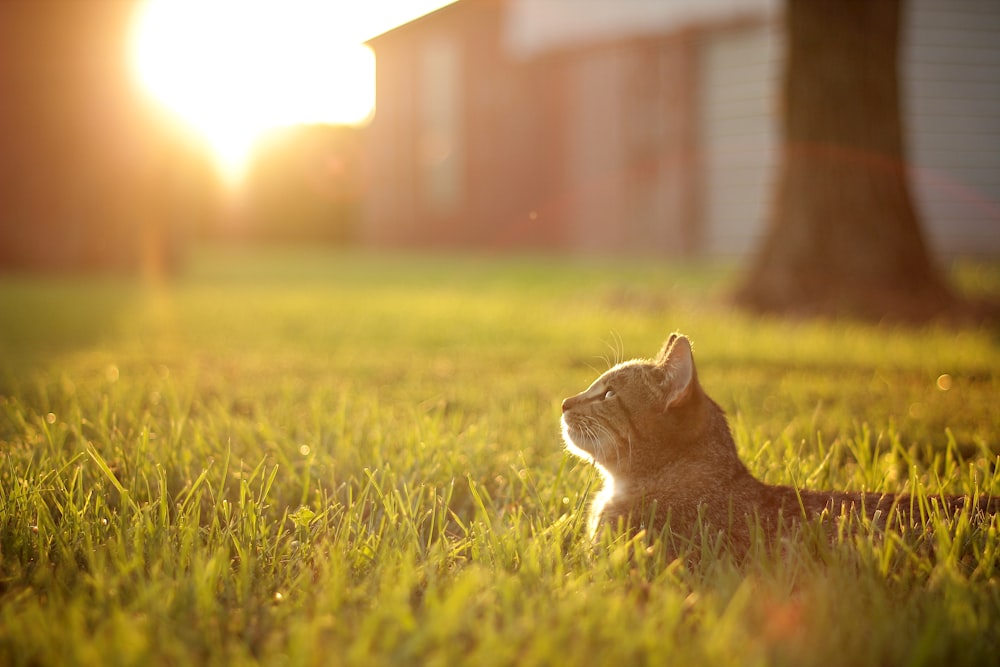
point(313, 459)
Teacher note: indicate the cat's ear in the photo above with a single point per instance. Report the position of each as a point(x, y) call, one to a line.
point(665, 350)
point(677, 363)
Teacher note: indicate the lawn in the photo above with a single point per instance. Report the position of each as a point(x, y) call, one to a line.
point(303, 458)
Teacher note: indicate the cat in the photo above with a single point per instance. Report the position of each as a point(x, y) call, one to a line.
point(668, 459)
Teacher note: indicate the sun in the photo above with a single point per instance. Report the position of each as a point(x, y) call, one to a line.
point(233, 70)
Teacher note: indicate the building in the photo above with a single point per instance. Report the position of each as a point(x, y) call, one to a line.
point(461, 143)
point(647, 127)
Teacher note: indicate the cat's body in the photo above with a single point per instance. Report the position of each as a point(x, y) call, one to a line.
point(668, 459)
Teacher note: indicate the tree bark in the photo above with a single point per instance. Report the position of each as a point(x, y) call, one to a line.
point(844, 236)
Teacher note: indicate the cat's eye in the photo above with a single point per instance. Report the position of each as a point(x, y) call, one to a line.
point(610, 393)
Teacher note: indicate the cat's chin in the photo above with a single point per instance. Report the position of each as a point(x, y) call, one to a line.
point(574, 439)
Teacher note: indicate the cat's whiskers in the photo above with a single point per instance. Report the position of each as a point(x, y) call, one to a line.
point(629, 438)
point(617, 348)
point(602, 435)
point(588, 433)
point(606, 435)
point(599, 435)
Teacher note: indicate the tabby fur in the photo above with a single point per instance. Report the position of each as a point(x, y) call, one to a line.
point(669, 461)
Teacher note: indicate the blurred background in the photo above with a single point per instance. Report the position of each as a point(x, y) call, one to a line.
point(134, 131)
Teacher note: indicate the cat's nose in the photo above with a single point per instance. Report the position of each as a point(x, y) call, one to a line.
point(567, 404)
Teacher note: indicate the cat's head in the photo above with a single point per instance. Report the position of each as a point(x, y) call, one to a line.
point(634, 414)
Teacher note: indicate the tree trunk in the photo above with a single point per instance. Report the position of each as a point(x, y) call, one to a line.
point(844, 234)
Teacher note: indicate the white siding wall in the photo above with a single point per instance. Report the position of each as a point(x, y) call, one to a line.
point(950, 78)
point(740, 71)
point(951, 85)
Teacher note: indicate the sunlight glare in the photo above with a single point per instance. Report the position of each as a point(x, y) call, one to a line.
point(233, 70)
